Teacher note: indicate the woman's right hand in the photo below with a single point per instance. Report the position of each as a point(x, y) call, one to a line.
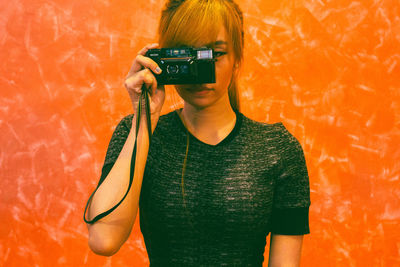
point(140, 74)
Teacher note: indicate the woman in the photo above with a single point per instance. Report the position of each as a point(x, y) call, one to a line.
point(213, 183)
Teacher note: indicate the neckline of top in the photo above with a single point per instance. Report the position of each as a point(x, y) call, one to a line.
point(227, 139)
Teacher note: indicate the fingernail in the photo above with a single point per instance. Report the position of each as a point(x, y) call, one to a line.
point(158, 70)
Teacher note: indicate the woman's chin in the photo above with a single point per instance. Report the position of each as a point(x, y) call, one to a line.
point(198, 98)
point(199, 103)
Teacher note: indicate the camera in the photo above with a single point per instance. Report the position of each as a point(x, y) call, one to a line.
point(184, 65)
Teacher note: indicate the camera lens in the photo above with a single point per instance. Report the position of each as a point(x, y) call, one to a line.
point(172, 69)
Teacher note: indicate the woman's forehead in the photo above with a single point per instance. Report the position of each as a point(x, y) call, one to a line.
point(200, 33)
point(220, 41)
point(221, 38)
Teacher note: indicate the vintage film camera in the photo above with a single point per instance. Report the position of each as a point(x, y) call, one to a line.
point(184, 65)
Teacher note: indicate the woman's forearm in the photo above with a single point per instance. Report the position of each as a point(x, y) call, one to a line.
point(285, 250)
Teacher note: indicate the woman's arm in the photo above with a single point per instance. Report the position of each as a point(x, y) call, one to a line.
point(285, 250)
point(108, 234)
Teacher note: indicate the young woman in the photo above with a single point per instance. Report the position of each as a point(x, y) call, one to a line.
point(213, 183)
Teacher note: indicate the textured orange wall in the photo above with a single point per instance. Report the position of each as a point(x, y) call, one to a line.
point(328, 69)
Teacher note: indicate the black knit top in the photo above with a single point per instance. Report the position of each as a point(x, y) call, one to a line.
point(252, 183)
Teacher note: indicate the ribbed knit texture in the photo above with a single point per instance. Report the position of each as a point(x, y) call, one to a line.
point(253, 182)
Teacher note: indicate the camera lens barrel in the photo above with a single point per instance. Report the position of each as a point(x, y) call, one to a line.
point(173, 69)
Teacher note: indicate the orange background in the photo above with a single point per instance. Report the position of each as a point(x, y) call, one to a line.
point(329, 70)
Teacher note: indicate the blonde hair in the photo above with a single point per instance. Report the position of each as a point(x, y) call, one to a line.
point(186, 22)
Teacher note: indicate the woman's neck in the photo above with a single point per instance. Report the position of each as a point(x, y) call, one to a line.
point(211, 124)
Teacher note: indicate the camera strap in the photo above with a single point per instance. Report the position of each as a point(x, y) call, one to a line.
point(143, 97)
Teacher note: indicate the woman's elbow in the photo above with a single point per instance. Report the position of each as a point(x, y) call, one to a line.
point(103, 247)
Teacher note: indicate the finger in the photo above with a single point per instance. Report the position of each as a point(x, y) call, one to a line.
point(150, 81)
point(143, 51)
point(134, 83)
point(137, 65)
point(148, 63)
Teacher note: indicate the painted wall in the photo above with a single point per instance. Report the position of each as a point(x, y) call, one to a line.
point(328, 69)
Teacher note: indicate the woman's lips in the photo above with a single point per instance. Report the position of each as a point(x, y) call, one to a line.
point(199, 90)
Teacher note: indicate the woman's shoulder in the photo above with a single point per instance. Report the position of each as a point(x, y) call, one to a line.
point(126, 121)
point(168, 117)
point(275, 132)
point(263, 127)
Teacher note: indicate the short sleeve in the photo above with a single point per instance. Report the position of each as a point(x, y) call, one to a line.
point(116, 144)
point(290, 213)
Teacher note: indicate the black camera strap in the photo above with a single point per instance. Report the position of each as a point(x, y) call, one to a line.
point(144, 96)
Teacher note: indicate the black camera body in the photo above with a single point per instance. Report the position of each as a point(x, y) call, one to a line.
point(184, 65)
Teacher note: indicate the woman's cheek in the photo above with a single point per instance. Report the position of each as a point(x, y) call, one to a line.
point(222, 67)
